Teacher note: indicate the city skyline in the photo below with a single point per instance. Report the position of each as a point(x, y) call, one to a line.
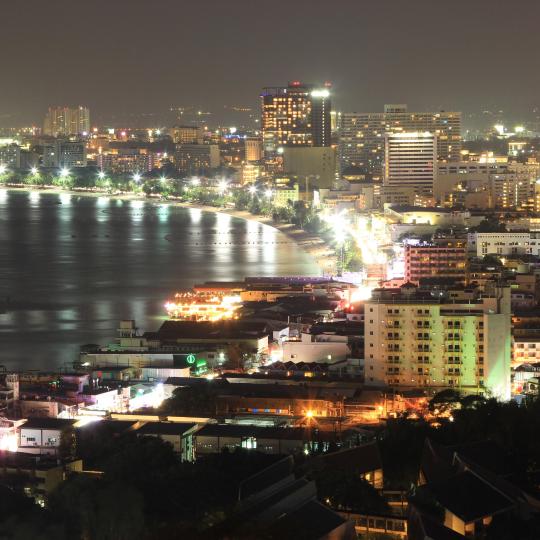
point(150, 58)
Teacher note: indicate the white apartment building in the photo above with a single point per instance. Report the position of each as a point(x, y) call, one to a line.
point(461, 340)
point(504, 244)
point(362, 134)
point(410, 160)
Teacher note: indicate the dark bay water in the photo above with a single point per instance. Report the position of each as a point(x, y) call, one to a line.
point(73, 266)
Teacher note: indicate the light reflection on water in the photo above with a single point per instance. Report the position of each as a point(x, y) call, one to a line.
point(73, 270)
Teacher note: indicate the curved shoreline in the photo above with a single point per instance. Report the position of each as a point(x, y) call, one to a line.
point(323, 255)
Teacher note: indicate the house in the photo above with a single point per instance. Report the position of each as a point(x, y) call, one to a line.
point(470, 485)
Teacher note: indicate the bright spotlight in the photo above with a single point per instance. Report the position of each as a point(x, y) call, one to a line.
point(163, 179)
point(34, 171)
point(269, 193)
point(101, 175)
point(137, 177)
point(222, 186)
point(3, 168)
point(252, 190)
point(64, 173)
point(195, 181)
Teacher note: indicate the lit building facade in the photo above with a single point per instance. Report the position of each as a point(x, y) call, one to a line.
point(193, 158)
point(362, 135)
point(187, 134)
point(411, 161)
point(505, 244)
point(253, 149)
point(442, 258)
point(62, 121)
point(64, 154)
point(127, 161)
point(461, 340)
point(10, 156)
point(295, 115)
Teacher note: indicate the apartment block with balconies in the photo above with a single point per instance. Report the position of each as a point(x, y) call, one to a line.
point(445, 339)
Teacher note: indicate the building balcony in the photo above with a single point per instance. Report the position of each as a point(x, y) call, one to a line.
point(392, 324)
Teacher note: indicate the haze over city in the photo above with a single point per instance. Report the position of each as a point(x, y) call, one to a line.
point(124, 58)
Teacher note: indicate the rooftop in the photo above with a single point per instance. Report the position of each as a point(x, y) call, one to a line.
point(205, 330)
point(468, 497)
point(165, 428)
point(48, 423)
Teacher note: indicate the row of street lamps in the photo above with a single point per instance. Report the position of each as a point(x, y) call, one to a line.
point(223, 185)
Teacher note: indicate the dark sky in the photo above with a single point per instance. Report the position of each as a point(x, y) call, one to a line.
point(122, 56)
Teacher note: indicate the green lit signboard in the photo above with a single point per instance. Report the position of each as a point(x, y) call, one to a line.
point(190, 359)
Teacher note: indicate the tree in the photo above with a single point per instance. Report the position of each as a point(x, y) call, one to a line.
point(196, 401)
point(444, 399)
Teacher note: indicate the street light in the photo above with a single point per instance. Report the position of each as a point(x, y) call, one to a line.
point(222, 186)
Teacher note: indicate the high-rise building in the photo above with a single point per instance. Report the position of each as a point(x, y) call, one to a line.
point(411, 161)
point(187, 134)
point(62, 121)
point(295, 115)
point(127, 160)
point(460, 339)
point(362, 135)
point(10, 155)
point(64, 154)
point(253, 149)
point(194, 158)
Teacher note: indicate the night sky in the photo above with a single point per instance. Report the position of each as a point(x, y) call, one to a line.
point(143, 56)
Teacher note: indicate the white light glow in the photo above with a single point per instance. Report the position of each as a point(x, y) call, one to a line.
point(320, 93)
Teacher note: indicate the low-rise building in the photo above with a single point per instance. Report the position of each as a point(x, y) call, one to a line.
point(46, 435)
point(440, 258)
point(214, 438)
point(504, 243)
